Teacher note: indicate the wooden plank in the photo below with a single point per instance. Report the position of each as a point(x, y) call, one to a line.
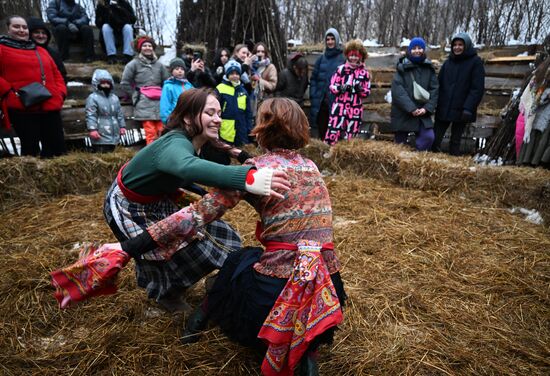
point(508, 70)
point(511, 59)
point(501, 83)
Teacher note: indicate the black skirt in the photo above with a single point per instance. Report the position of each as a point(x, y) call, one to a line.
point(241, 299)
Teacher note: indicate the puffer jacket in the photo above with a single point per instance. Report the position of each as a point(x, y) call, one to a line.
point(144, 72)
point(104, 113)
point(62, 12)
point(325, 66)
point(19, 66)
point(461, 84)
point(236, 113)
point(403, 102)
point(170, 93)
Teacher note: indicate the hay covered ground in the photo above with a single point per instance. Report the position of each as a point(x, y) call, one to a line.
point(442, 279)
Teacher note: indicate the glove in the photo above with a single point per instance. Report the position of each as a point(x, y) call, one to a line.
point(358, 88)
point(94, 135)
point(258, 182)
point(466, 116)
point(73, 28)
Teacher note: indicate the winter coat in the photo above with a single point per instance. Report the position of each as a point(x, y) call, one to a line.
point(268, 81)
point(115, 15)
point(403, 102)
point(236, 113)
point(19, 66)
point(35, 23)
point(199, 78)
point(461, 84)
point(144, 72)
point(63, 12)
point(170, 93)
point(289, 85)
point(325, 66)
point(104, 113)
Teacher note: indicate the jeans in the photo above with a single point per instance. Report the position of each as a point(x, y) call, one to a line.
point(109, 39)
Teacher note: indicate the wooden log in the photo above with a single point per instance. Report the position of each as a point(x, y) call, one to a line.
point(507, 70)
point(74, 120)
point(499, 83)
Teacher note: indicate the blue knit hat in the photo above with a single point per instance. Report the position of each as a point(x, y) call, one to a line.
point(230, 67)
point(416, 42)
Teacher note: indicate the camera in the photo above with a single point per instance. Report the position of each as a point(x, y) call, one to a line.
point(197, 56)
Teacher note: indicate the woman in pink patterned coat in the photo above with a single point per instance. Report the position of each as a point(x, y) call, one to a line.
point(351, 84)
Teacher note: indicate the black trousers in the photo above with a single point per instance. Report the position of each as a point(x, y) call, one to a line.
point(34, 128)
point(322, 119)
point(457, 128)
point(63, 37)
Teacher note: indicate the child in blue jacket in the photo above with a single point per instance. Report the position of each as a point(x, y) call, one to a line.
point(236, 114)
point(172, 88)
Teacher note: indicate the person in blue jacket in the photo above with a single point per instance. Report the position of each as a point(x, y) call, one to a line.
point(236, 124)
point(172, 88)
point(461, 88)
point(319, 94)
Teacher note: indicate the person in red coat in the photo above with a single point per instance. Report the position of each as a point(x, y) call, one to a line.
point(20, 65)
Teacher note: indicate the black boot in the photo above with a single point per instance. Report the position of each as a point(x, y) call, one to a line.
point(195, 324)
point(308, 365)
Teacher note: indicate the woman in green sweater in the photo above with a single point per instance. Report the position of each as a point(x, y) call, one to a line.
point(148, 186)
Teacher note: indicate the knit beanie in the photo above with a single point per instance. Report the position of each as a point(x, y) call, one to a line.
point(416, 42)
point(232, 66)
point(176, 62)
point(141, 40)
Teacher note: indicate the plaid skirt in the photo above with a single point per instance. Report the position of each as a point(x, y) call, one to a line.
point(128, 219)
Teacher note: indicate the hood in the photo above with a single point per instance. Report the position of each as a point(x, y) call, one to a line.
point(35, 23)
point(469, 49)
point(101, 75)
point(336, 34)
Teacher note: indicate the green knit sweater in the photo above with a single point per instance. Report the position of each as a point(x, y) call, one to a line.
point(171, 162)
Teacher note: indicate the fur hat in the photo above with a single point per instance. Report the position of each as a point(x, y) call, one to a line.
point(140, 40)
point(232, 66)
point(176, 62)
point(356, 45)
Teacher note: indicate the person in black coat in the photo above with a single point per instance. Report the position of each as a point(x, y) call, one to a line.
point(461, 87)
point(292, 82)
point(410, 113)
point(198, 74)
point(41, 35)
point(222, 57)
point(116, 17)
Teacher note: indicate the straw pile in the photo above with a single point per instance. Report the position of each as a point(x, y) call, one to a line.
point(437, 284)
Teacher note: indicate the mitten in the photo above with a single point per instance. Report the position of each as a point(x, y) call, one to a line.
point(258, 182)
point(73, 28)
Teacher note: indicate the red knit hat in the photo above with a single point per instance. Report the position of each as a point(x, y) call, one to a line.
point(140, 40)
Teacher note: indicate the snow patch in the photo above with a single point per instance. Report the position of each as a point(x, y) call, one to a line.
point(405, 42)
point(169, 54)
point(75, 83)
point(387, 97)
point(294, 42)
point(531, 215)
point(372, 43)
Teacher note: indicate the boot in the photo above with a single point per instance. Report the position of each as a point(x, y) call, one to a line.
point(195, 324)
point(308, 365)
